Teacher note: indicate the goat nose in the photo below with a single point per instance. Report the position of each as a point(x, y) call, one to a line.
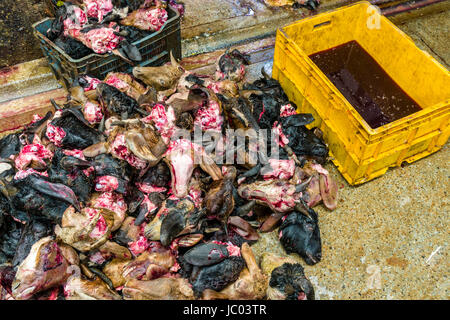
point(136, 71)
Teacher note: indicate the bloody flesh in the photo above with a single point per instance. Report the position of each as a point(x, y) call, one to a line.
point(362, 81)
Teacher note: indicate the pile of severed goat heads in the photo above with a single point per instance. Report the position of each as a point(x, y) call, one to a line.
point(115, 196)
point(101, 26)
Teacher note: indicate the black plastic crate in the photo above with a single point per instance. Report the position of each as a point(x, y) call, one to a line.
point(154, 48)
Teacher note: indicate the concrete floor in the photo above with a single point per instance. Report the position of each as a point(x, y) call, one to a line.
point(429, 34)
point(397, 224)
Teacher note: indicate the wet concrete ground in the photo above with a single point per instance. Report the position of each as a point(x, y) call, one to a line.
point(429, 34)
point(397, 224)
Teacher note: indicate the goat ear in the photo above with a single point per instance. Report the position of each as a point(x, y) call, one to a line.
point(328, 191)
point(139, 146)
point(271, 222)
point(206, 254)
point(171, 226)
point(131, 51)
point(121, 54)
point(95, 149)
point(55, 190)
point(243, 228)
point(149, 97)
point(142, 214)
point(249, 257)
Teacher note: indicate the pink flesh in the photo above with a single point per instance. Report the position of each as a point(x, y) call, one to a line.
point(148, 188)
point(36, 118)
point(36, 140)
point(175, 267)
point(97, 257)
point(54, 294)
point(282, 169)
point(75, 24)
point(262, 112)
point(106, 183)
point(173, 248)
point(119, 150)
point(181, 165)
point(92, 112)
point(138, 246)
point(32, 152)
point(75, 153)
point(209, 118)
point(151, 207)
point(112, 201)
point(319, 169)
point(164, 121)
point(114, 81)
point(100, 40)
point(179, 7)
point(214, 86)
point(220, 75)
point(301, 296)
point(21, 174)
point(150, 18)
point(55, 134)
point(279, 195)
point(182, 85)
point(287, 110)
point(196, 196)
point(241, 72)
point(100, 226)
point(328, 191)
point(240, 180)
point(93, 82)
point(224, 170)
point(313, 192)
point(280, 138)
point(98, 8)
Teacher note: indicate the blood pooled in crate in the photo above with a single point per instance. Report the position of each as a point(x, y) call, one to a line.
point(362, 81)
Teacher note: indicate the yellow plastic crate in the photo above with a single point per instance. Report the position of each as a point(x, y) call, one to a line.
point(360, 152)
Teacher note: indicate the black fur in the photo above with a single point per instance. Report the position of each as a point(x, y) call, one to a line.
point(290, 280)
point(301, 235)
